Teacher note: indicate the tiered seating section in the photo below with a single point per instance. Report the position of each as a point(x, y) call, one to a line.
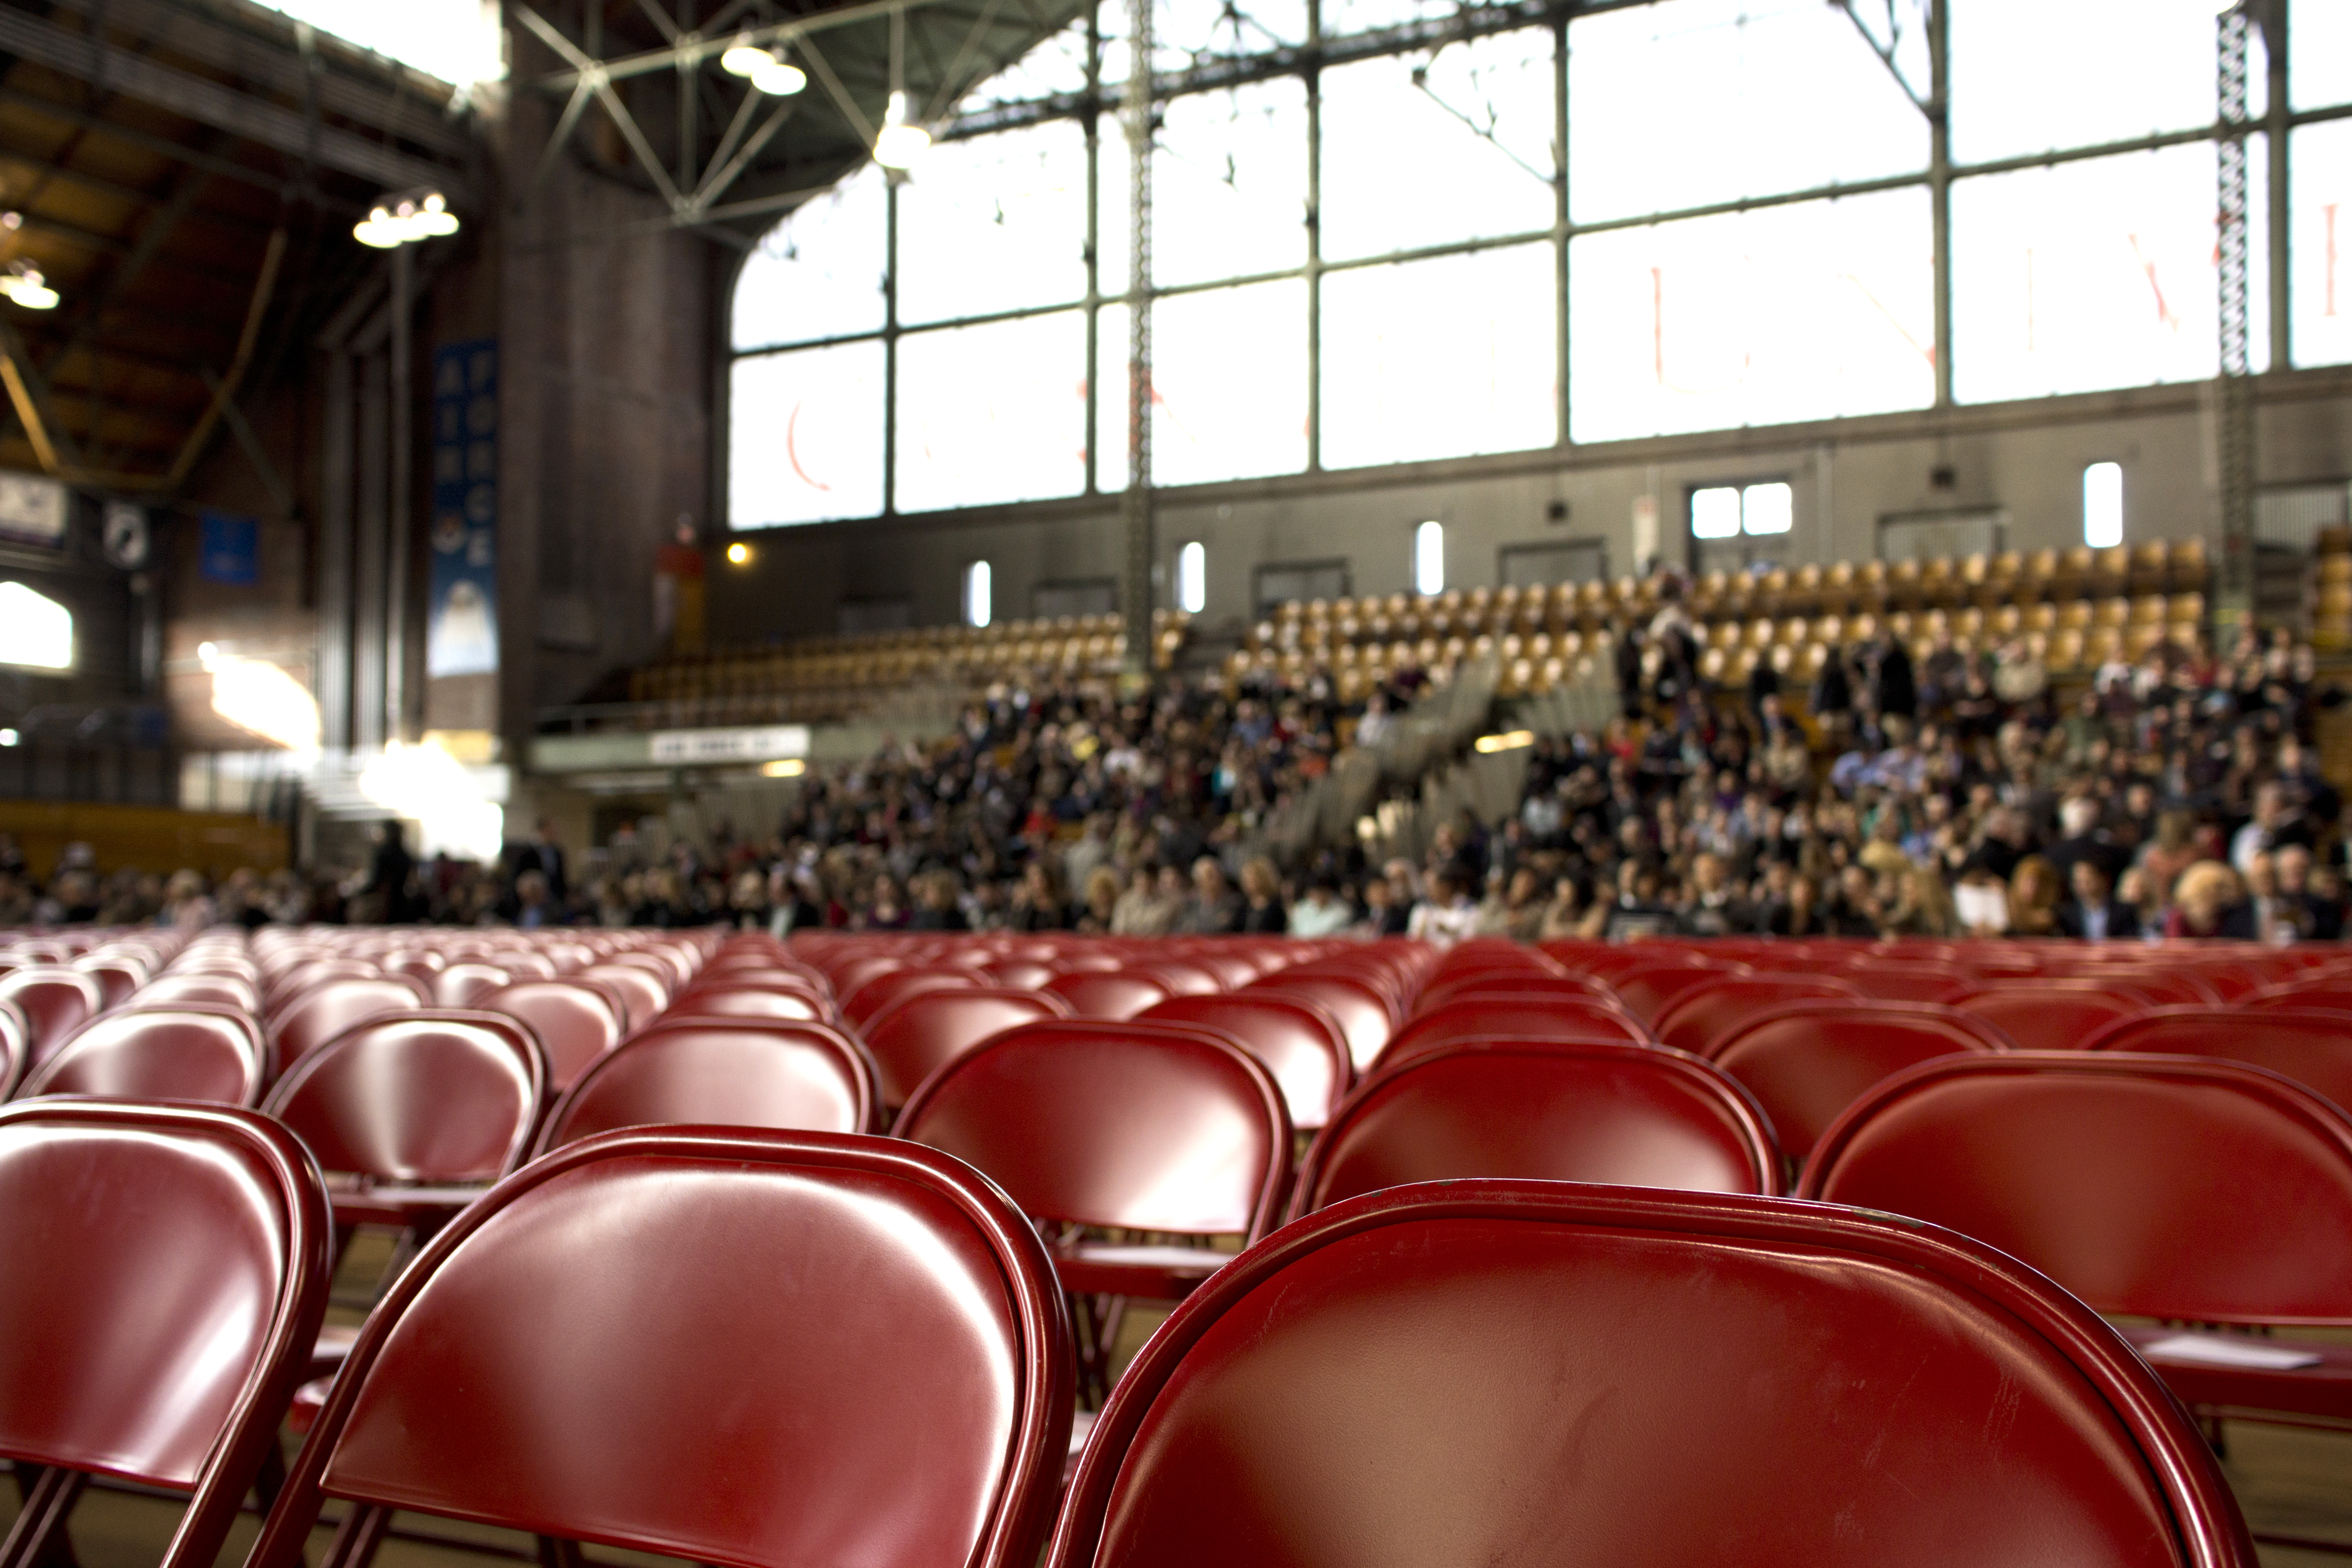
point(2331, 615)
point(691, 1189)
point(827, 679)
point(2072, 610)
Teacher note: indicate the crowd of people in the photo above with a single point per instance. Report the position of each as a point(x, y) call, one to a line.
point(2177, 796)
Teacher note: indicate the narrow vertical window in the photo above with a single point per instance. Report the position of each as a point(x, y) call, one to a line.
point(976, 593)
point(2102, 505)
point(1429, 558)
point(1192, 578)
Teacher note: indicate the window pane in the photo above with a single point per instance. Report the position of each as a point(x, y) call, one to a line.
point(1186, 33)
point(1345, 16)
point(2319, 53)
point(992, 414)
point(2018, 82)
point(994, 224)
point(2102, 505)
point(818, 274)
point(1057, 64)
point(1808, 312)
point(1706, 100)
point(1228, 187)
point(1429, 558)
point(804, 437)
point(1402, 169)
point(1767, 508)
point(1440, 358)
point(1715, 513)
point(1229, 387)
point(2094, 275)
point(2320, 245)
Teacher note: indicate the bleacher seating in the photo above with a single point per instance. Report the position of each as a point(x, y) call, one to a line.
point(828, 680)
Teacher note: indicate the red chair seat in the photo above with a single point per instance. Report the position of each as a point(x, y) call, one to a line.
point(1162, 1273)
point(2322, 1390)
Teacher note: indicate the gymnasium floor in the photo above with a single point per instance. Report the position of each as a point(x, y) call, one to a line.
point(2289, 1481)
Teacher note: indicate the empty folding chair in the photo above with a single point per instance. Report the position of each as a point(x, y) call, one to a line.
point(1359, 1005)
point(790, 1348)
point(192, 1052)
point(576, 1019)
point(55, 1002)
point(16, 1048)
point(1160, 1127)
point(1807, 1061)
point(1110, 995)
point(1544, 1018)
point(917, 1035)
point(644, 995)
point(1300, 1043)
point(1512, 983)
point(328, 1008)
point(163, 1271)
point(1503, 1371)
point(465, 984)
point(878, 994)
point(2052, 1015)
point(802, 1077)
point(722, 999)
point(1704, 1013)
point(2176, 1188)
point(1561, 1112)
point(211, 990)
point(2312, 1046)
point(117, 975)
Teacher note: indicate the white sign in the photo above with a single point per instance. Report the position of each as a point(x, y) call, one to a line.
point(752, 745)
point(33, 508)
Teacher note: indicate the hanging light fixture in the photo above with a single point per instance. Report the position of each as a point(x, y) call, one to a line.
point(23, 285)
point(779, 77)
point(744, 58)
point(900, 143)
point(405, 219)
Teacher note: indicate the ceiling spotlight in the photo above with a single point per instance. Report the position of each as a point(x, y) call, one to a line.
point(779, 77)
point(9, 737)
point(405, 219)
point(743, 56)
point(23, 285)
point(739, 554)
point(899, 144)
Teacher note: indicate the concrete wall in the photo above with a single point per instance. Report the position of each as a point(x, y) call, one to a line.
point(2025, 457)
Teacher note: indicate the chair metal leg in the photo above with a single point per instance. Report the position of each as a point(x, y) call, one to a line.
point(363, 1530)
point(555, 1551)
point(38, 1538)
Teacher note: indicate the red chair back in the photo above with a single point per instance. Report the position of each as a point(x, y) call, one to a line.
point(205, 989)
point(16, 1048)
point(640, 991)
point(1521, 983)
point(1535, 1371)
point(807, 1077)
point(1807, 1061)
point(55, 1000)
point(2157, 1186)
point(1139, 1126)
point(465, 984)
point(117, 978)
point(720, 1000)
point(1647, 989)
point(333, 1006)
point(1703, 1014)
point(1108, 994)
point(1560, 1112)
point(577, 1020)
point(438, 1097)
point(163, 1272)
point(1547, 1019)
point(792, 1348)
point(1904, 981)
point(879, 994)
point(2050, 1015)
point(2329, 991)
point(1362, 1011)
point(1020, 973)
point(1294, 1039)
point(917, 1035)
point(2312, 1046)
point(213, 1054)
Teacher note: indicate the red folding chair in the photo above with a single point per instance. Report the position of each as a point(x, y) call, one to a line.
point(1108, 994)
point(465, 984)
point(642, 993)
point(1807, 1061)
point(55, 1002)
point(885, 990)
point(117, 977)
point(2312, 1046)
point(807, 1077)
point(1361, 1008)
point(207, 989)
point(1563, 1111)
point(163, 1269)
point(1647, 989)
point(2177, 1188)
point(577, 1020)
point(16, 1048)
point(1162, 1128)
point(917, 1035)
point(790, 1348)
point(2044, 1014)
point(720, 999)
point(333, 1006)
point(1504, 1371)
point(1891, 982)
point(1511, 983)
point(1545, 1018)
point(211, 1054)
point(1298, 1042)
point(1706, 1012)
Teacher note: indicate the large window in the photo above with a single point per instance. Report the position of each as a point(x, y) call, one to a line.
point(1396, 240)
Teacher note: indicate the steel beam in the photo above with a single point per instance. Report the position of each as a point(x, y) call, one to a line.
point(1135, 511)
point(89, 59)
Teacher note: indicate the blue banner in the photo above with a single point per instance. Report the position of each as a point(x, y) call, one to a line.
point(230, 549)
point(461, 635)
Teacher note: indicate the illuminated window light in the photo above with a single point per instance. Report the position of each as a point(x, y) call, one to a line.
point(785, 768)
point(1192, 578)
point(259, 696)
point(1429, 558)
point(739, 554)
point(35, 631)
point(2102, 505)
point(1509, 741)
point(976, 593)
